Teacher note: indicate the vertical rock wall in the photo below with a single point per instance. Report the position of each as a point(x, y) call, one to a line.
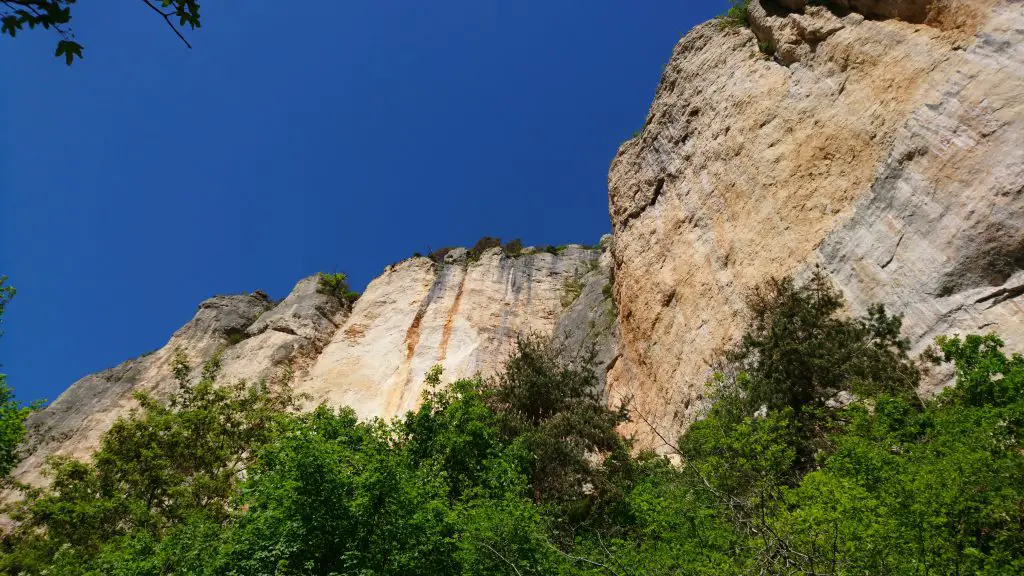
point(885, 151)
point(464, 315)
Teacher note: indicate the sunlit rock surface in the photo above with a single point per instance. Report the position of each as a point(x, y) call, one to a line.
point(886, 151)
point(464, 315)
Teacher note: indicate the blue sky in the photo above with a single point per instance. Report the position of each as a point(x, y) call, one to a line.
point(343, 136)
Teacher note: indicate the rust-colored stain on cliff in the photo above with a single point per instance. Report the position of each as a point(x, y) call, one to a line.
point(355, 331)
point(412, 335)
point(412, 339)
point(446, 334)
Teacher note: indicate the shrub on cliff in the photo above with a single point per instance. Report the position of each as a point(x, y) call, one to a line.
point(572, 287)
point(336, 286)
point(736, 15)
point(481, 246)
point(799, 351)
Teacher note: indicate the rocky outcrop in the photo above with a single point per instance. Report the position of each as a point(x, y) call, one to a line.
point(462, 314)
point(879, 141)
point(588, 329)
point(73, 423)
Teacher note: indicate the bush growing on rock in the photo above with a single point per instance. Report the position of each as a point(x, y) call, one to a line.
point(525, 473)
point(736, 15)
point(336, 286)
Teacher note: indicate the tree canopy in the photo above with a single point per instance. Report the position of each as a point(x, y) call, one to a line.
point(524, 473)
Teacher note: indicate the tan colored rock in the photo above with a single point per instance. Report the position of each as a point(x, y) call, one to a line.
point(73, 423)
point(463, 315)
point(888, 152)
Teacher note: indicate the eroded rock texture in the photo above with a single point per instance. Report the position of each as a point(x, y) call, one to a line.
point(880, 141)
point(463, 315)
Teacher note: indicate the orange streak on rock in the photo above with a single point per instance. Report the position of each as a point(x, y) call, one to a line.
point(449, 323)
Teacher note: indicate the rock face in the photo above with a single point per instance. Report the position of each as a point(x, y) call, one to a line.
point(463, 315)
point(885, 151)
point(589, 324)
point(881, 141)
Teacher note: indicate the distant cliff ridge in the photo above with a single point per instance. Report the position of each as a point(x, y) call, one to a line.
point(463, 313)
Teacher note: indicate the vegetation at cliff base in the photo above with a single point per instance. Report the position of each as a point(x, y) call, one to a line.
point(12, 413)
point(815, 456)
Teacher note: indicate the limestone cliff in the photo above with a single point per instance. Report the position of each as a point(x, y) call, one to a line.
point(881, 141)
point(462, 314)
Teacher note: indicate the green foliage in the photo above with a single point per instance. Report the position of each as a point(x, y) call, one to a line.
point(556, 410)
point(798, 350)
point(438, 255)
point(572, 287)
point(513, 247)
point(481, 246)
point(526, 474)
point(736, 15)
point(984, 375)
point(555, 250)
point(6, 294)
point(889, 485)
point(236, 336)
point(333, 497)
point(608, 291)
point(162, 469)
point(336, 286)
point(12, 426)
point(55, 15)
point(12, 413)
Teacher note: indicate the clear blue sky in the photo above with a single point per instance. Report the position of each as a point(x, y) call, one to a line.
point(329, 135)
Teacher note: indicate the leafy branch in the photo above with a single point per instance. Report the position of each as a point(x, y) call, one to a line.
point(55, 15)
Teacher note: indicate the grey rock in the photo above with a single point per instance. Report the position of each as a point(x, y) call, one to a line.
point(455, 255)
point(304, 312)
point(589, 326)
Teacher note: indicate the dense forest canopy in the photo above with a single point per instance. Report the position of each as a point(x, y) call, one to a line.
point(815, 456)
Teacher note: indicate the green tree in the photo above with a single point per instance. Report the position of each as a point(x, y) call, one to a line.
point(555, 408)
point(12, 426)
point(337, 496)
point(12, 413)
point(799, 351)
point(6, 294)
point(163, 466)
point(525, 474)
point(913, 489)
point(55, 15)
